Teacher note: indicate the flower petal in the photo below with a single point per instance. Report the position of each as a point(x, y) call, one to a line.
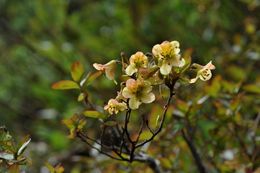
point(148, 98)
point(205, 75)
point(134, 103)
point(122, 106)
point(99, 66)
point(165, 69)
point(148, 88)
point(110, 69)
point(194, 79)
point(156, 50)
point(130, 70)
point(209, 66)
point(127, 93)
point(175, 44)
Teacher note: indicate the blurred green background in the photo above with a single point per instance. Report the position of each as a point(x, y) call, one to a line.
point(39, 40)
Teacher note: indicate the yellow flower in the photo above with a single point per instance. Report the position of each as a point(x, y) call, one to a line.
point(167, 56)
point(113, 106)
point(204, 73)
point(137, 61)
point(138, 92)
point(108, 68)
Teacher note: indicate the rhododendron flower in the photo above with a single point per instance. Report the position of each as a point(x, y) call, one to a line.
point(108, 68)
point(113, 106)
point(138, 60)
point(204, 73)
point(167, 56)
point(138, 91)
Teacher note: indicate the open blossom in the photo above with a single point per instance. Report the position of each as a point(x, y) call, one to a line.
point(204, 73)
point(108, 68)
point(167, 56)
point(113, 106)
point(138, 92)
point(137, 61)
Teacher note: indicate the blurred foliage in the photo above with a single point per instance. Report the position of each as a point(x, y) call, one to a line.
point(11, 156)
point(40, 39)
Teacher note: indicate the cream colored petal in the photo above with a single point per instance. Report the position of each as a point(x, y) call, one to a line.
point(130, 70)
point(178, 61)
point(127, 93)
point(175, 44)
point(130, 82)
point(134, 103)
point(165, 69)
point(122, 106)
point(110, 69)
point(194, 79)
point(209, 66)
point(182, 62)
point(156, 50)
point(106, 107)
point(148, 98)
point(110, 73)
point(148, 88)
point(177, 51)
point(205, 75)
point(99, 66)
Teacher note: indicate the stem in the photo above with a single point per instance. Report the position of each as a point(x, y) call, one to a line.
point(161, 123)
point(194, 152)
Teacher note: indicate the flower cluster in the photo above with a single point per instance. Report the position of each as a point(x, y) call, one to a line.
point(167, 56)
point(143, 72)
point(204, 72)
point(138, 92)
point(137, 61)
point(113, 106)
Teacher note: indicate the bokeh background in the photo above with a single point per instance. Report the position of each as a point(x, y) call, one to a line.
point(39, 40)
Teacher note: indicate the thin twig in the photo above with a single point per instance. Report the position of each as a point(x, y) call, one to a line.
point(161, 123)
point(194, 152)
point(83, 139)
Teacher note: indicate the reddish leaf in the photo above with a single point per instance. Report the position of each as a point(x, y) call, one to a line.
point(64, 85)
point(77, 71)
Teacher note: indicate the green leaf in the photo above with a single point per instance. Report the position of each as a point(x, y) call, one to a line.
point(76, 71)
point(206, 126)
point(187, 58)
point(155, 116)
point(23, 147)
point(214, 88)
point(82, 96)
point(65, 85)
point(110, 123)
point(91, 77)
point(252, 88)
point(93, 114)
point(145, 135)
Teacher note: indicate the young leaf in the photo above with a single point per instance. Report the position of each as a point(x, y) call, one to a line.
point(23, 147)
point(93, 114)
point(92, 76)
point(82, 96)
point(64, 85)
point(76, 71)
